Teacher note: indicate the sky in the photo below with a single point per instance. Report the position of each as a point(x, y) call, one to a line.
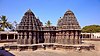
point(87, 12)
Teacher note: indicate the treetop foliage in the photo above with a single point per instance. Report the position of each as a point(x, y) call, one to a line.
point(48, 24)
point(91, 29)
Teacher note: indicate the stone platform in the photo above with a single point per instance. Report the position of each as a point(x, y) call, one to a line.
point(44, 46)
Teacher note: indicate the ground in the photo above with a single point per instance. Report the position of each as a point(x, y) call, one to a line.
point(55, 53)
point(50, 52)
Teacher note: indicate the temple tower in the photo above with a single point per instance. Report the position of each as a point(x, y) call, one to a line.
point(28, 29)
point(69, 29)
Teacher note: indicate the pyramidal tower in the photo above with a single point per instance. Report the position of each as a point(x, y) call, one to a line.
point(68, 21)
point(69, 29)
point(28, 28)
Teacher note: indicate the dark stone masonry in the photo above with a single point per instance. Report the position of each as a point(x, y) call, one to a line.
point(31, 30)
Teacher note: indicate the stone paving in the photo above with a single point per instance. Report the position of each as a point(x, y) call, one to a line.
point(55, 53)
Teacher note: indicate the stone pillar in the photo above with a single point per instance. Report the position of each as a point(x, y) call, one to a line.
point(21, 38)
point(30, 38)
point(34, 38)
point(45, 37)
point(14, 36)
point(7, 36)
point(60, 37)
point(71, 37)
point(25, 38)
point(48, 37)
point(80, 39)
point(37, 37)
point(76, 37)
point(53, 37)
point(59, 41)
point(63, 37)
point(67, 37)
point(56, 37)
point(18, 39)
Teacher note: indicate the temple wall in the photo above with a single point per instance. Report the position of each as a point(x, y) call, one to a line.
point(68, 37)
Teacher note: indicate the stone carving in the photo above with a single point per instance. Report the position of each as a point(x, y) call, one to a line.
point(32, 31)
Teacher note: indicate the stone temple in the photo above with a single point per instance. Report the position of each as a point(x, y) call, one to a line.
point(31, 30)
point(32, 35)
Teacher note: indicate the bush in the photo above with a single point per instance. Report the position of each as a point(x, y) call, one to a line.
point(91, 29)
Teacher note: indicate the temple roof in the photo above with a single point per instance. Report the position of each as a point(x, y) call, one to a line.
point(29, 22)
point(29, 12)
point(68, 21)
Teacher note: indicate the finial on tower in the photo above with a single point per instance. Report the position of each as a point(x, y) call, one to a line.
point(29, 10)
point(68, 12)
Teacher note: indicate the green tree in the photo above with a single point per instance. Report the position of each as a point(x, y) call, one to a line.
point(4, 24)
point(91, 28)
point(48, 24)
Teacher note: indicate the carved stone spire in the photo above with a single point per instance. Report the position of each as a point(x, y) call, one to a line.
point(68, 21)
point(29, 22)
